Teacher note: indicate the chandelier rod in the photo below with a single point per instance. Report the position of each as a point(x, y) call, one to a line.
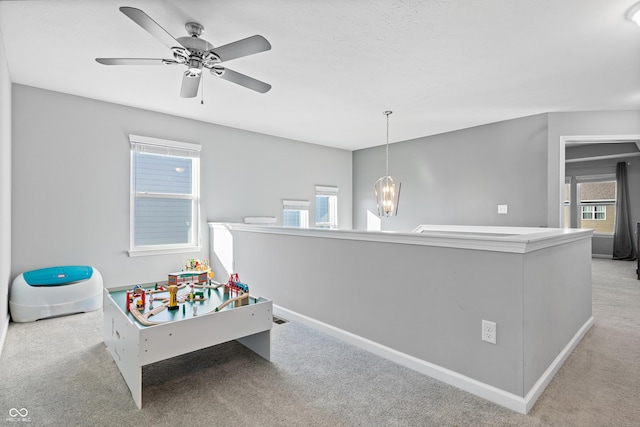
point(387, 113)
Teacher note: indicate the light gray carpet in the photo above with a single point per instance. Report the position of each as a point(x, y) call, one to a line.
point(59, 370)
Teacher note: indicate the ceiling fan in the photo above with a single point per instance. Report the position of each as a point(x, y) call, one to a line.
point(196, 54)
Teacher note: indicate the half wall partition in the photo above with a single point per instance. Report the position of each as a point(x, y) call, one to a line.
point(419, 298)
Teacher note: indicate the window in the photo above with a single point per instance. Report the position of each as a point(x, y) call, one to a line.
point(165, 196)
point(597, 202)
point(295, 213)
point(594, 212)
point(326, 207)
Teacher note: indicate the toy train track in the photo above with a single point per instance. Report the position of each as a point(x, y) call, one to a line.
point(136, 299)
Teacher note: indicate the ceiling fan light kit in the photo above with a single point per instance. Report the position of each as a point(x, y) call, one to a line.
point(196, 53)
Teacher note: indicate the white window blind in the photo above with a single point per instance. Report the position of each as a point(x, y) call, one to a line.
point(165, 196)
point(323, 190)
point(261, 220)
point(295, 213)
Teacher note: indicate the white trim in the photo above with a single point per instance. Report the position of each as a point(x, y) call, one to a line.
point(295, 204)
point(562, 173)
point(601, 139)
point(164, 251)
point(3, 334)
point(264, 220)
point(493, 394)
point(608, 157)
point(605, 177)
point(147, 140)
point(325, 190)
point(496, 239)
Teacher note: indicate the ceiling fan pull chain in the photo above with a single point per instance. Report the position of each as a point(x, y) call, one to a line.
point(202, 91)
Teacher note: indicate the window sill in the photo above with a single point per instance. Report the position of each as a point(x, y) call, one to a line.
point(163, 251)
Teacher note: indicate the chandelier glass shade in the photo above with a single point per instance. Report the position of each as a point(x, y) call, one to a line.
point(387, 188)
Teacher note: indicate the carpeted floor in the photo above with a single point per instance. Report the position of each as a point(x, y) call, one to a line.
point(60, 372)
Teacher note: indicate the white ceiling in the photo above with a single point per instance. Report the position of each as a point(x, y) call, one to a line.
point(336, 65)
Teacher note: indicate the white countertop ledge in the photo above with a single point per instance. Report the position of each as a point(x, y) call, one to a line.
point(487, 238)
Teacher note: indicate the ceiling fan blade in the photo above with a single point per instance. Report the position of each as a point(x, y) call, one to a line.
point(240, 48)
point(242, 80)
point(190, 85)
point(151, 26)
point(135, 61)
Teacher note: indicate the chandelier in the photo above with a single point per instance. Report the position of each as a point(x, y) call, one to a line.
point(387, 188)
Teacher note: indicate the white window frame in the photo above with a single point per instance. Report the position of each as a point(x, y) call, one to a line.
point(592, 210)
point(175, 148)
point(332, 194)
point(297, 205)
point(567, 203)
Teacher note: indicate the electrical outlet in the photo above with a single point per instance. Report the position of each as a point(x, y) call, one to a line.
point(489, 331)
point(502, 209)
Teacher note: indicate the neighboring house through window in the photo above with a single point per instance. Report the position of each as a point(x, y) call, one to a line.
point(597, 202)
point(326, 207)
point(165, 196)
point(295, 213)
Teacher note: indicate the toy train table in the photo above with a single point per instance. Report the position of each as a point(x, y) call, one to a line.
point(148, 323)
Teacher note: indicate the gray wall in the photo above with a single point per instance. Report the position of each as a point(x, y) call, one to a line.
point(426, 301)
point(556, 303)
point(5, 190)
point(461, 177)
point(71, 181)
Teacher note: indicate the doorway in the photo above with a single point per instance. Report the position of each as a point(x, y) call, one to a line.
point(589, 141)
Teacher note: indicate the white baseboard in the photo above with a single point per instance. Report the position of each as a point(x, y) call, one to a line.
point(3, 333)
point(486, 391)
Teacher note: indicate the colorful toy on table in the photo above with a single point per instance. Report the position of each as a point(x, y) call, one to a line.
point(139, 295)
point(199, 277)
point(173, 297)
point(194, 270)
point(196, 264)
point(193, 264)
point(241, 289)
point(235, 285)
